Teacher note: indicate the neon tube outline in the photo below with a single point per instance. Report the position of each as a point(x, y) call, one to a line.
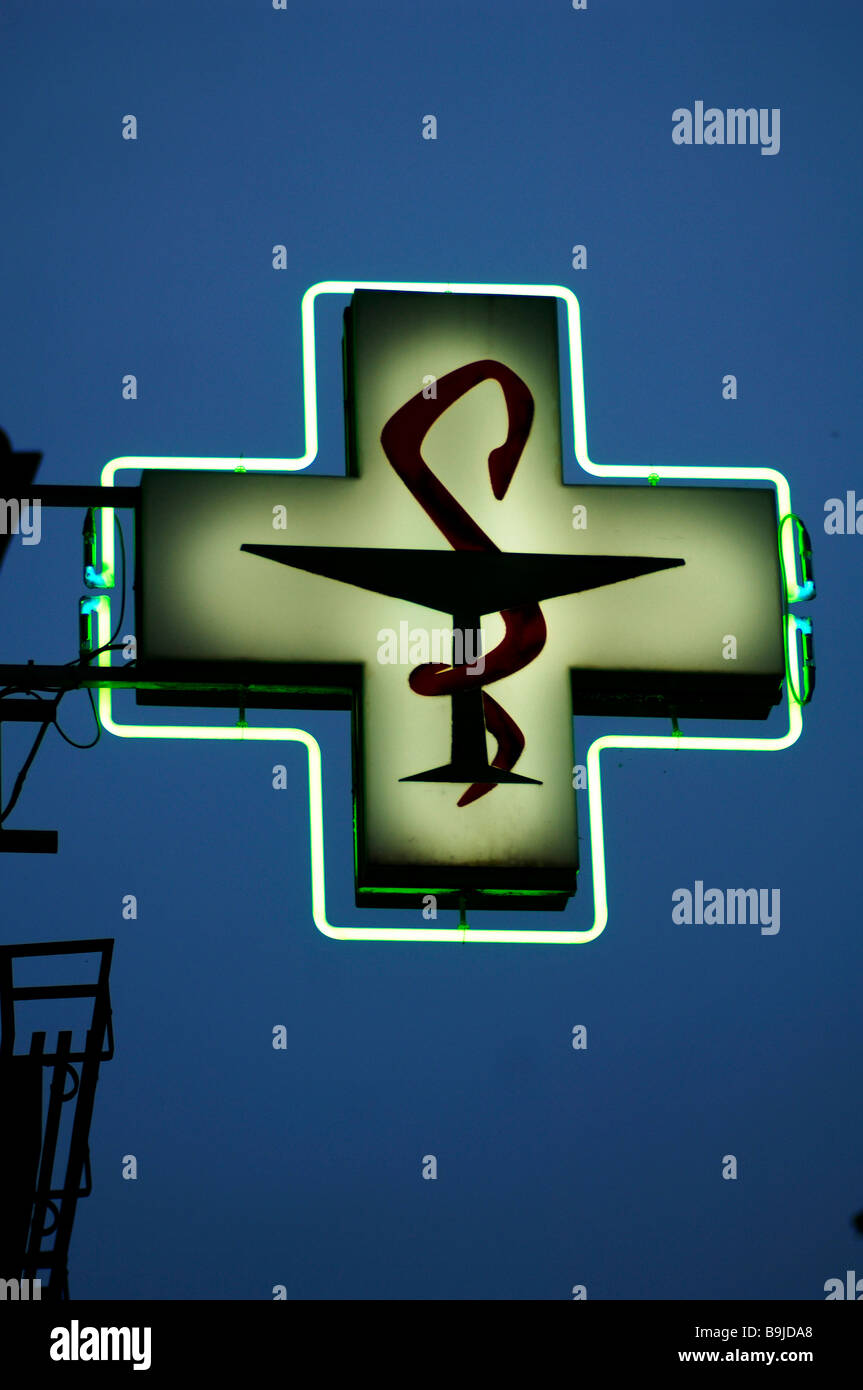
point(794, 592)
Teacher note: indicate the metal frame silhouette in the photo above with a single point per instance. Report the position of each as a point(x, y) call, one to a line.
point(29, 1195)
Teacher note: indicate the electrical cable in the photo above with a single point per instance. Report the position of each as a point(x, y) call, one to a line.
point(12, 689)
point(71, 741)
point(22, 775)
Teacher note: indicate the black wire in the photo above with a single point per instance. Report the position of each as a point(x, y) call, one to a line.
point(20, 779)
point(22, 775)
point(28, 762)
point(71, 741)
point(11, 689)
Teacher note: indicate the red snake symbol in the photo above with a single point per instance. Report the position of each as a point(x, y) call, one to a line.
point(524, 626)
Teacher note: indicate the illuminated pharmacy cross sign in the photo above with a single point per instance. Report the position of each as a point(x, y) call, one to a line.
point(597, 599)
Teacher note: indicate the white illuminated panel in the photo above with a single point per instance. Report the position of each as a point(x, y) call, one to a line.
point(204, 600)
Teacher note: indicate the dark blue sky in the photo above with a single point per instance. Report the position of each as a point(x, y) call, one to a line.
point(556, 1167)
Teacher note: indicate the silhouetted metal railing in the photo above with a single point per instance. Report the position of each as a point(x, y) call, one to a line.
point(33, 1207)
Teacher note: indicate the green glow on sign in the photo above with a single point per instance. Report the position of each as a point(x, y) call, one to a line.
point(794, 592)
